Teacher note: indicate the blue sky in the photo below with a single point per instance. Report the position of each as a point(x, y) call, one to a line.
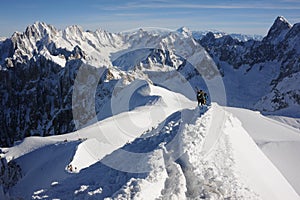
point(232, 16)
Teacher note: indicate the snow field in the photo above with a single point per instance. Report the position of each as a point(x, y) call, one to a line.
point(194, 153)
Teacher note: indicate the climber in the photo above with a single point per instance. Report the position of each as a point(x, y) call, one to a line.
point(70, 168)
point(201, 97)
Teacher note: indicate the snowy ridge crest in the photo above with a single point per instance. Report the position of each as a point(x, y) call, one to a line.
point(193, 154)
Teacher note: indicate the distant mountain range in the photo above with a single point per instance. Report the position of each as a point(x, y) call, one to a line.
point(200, 34)
point(39, 68)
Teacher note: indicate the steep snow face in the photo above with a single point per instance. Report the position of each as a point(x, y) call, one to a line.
point(277, 140)
point(192, 154)
point(259, 176)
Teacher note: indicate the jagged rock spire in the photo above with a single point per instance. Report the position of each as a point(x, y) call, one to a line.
point(278, 30)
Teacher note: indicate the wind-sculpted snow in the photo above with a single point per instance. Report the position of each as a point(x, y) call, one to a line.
point(278, 141)
point(194, 154)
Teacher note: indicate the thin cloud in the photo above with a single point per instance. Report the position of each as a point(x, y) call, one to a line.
point(162, 5)
point(143, 14)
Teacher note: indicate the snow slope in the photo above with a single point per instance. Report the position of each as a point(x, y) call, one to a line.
point(280, 142)
point(98, 139)
point(188, 154)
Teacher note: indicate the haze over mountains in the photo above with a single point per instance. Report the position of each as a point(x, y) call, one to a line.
point(55, 82)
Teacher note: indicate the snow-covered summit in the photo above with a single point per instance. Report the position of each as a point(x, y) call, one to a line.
point(40, 29)
point(186, 32)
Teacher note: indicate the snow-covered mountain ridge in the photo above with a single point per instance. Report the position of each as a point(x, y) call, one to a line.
point(192, 154)
point(122, 123)
point(39, 67)
point(198, 35)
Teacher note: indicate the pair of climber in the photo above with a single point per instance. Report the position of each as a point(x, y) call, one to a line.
point(201, 97)
point(71, 169)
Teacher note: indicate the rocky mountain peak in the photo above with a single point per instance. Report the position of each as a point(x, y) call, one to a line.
point(184, 31)
point(208, 38)
point(278, 30)
point(73, 32)
point(39, 30)
point(294, 32)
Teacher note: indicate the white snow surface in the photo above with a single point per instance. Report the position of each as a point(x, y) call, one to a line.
point(168, 149)
point(279, 141)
